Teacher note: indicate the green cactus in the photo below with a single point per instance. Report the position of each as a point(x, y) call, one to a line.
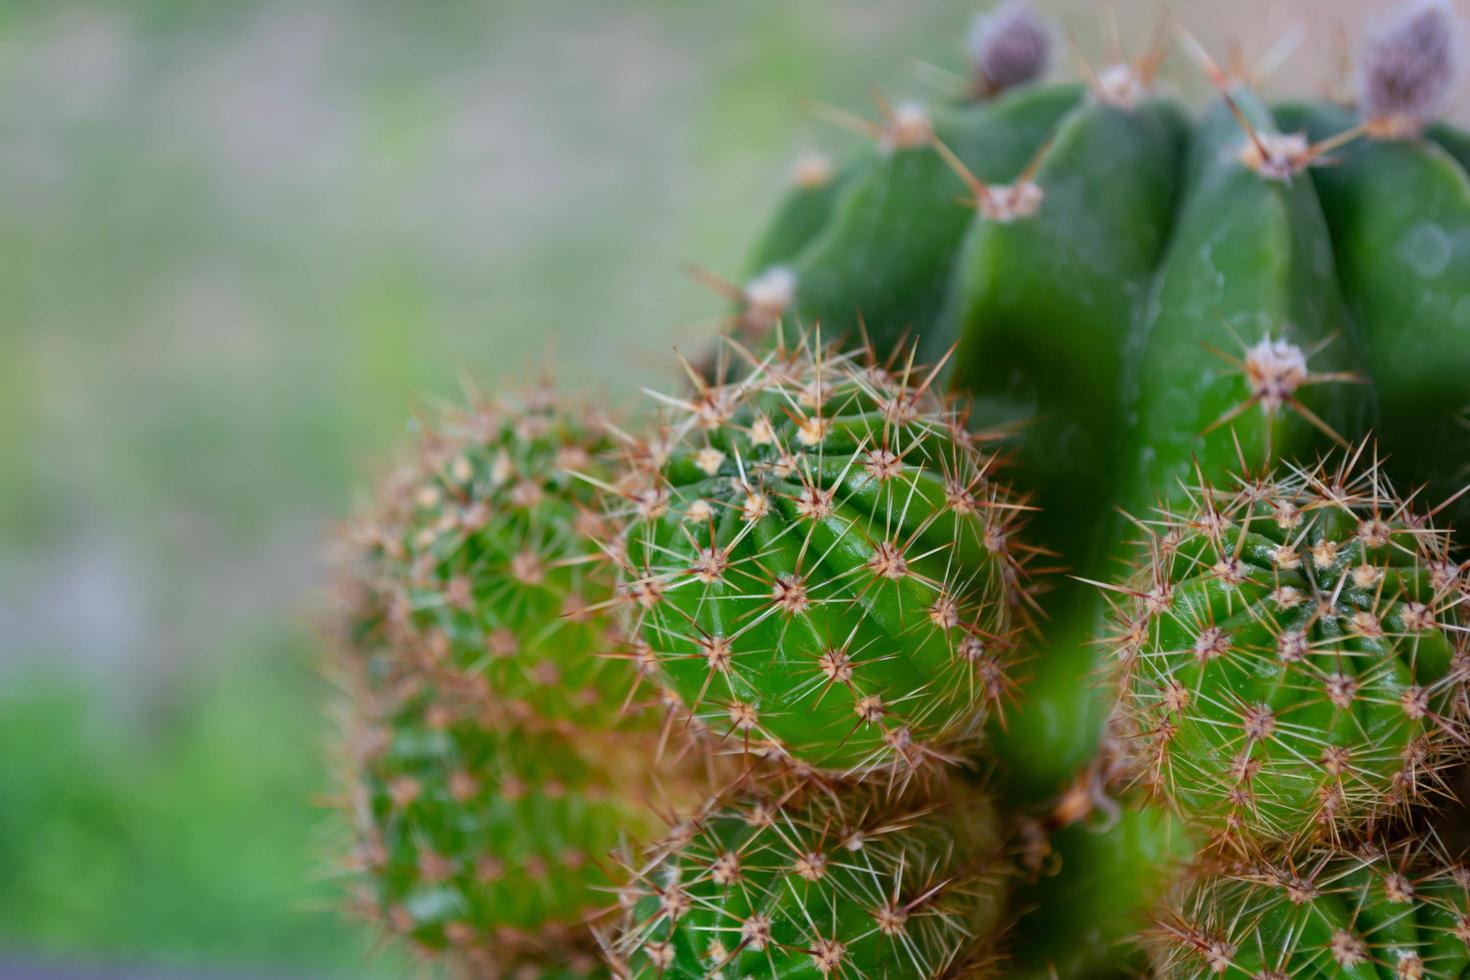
point(493, 759)
point(1398, 204)
point(882, 258)
point(479, 838)
point(486, 553)
point(850, 881)
point(825, 570)
point(821, 565)
point(1372, 913)
point(1054, 360)
point(1294, 655)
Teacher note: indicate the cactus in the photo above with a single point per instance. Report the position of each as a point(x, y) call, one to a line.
point(851, 881)
point(485, 552)
point(479, 837)
point(1401, 912)
point(492, 759)
point(824, 567)
point(1396, 204)
point(1293, 654)
point(821, 565)
point(883, 255)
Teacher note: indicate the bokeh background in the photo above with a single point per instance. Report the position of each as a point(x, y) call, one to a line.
point(239, 244)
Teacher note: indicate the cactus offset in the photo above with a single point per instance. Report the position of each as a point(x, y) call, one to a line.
point(851, 881)
point(491, 767)
point(1401, 912)
point(822, 566)
point(480, 838)
point(485, 552)
point(1294, 654)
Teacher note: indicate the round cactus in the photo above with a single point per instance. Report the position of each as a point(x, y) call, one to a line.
point(479, 837)
point(821, 566)
point(492, 761)
point(851, 882)
point(484, 552)
point(1293, 654)
point(1399, 913)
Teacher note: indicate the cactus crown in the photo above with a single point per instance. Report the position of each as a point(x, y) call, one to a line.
point(1293, 653)
point(1408, 67)
point(820, 563)
point(858, 882)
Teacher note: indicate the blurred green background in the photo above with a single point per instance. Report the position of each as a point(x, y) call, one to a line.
point(239, 244)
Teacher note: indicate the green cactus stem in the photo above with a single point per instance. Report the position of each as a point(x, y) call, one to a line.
point(1051, 359)
point(1398, 206)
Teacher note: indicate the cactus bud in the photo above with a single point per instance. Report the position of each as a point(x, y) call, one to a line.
point(1407, 67)
point(1008, 46)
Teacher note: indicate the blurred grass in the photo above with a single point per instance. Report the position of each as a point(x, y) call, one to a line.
point(239, 243)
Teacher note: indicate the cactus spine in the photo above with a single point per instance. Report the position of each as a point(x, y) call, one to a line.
point(1372, 912)
point(1294, 655)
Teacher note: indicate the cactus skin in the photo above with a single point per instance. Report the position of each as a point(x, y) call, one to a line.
point(483, 551)
point(815, 186)
point(885, 255)
point(1094, 892)
point(854, 881)
point(821, 567)
point(1402, 913)
point(1455, 142)
point(1054, 359)
point(1398, 209)
point(1249, 267)
point(1293, 656)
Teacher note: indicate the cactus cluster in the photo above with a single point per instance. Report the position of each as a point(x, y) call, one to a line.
point(1051, 573)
